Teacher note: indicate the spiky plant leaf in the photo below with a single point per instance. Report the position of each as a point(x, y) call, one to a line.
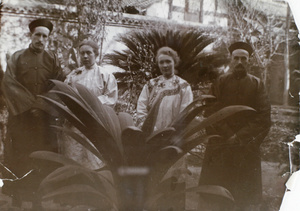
point(66, 112)
point(86, 143)
point(158, 150)
point(81, 195)
point(69, 175)
point(218, 116)
point(190, 136)
point(134, 145)
point(91, 128)
point(108, 144)
point(200, 138)
point(52, 156)
point(125, 120)
point(160, 137)
point(212, 189)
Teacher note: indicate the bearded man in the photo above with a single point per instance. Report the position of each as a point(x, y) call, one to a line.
point(28, 75)
point(233, 161)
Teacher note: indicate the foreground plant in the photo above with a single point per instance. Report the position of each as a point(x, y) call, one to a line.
point(138, 173)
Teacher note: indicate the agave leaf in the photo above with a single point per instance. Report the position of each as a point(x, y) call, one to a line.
point(72, 94)
point(133, 136)
point(95, 115)
point(166, 163)
point(158, 190)
point(158, 140)
point(159, 136)
point(52, 156)
point(150, 120)
point(134, 145)
point(171, 150)
point(212, 189)
point(198, 139)
point(125, 120)
point(79, 108)
point(106, 174)
point(70, 175)
point(67, 113)
point(187, 109)
point(218, 116)
point(81, 195)
point(162, 160)
point(82, 140)
point(91, 102)
point(59, 85)
point(63, 174)
point(186, 117)
point(94, 130)
point(114, 127)
point(166, 184)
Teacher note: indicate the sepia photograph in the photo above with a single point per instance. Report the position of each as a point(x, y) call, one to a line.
point(149, 105)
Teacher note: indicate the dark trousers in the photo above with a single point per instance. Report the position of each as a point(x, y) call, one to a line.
point(28, 133)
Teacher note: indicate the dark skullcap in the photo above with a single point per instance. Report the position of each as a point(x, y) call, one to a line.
point(91, 43)
point(40, 22)
point(240, 45)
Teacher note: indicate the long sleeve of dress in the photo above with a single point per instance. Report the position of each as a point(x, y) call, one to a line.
point(142, 104)
point(187, 97)
point(110, 95)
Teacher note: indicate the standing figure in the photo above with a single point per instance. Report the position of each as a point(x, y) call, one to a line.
point(172, 94)
point(28, 75)
point(102, 84)
point(169, 90)
point(234, 161)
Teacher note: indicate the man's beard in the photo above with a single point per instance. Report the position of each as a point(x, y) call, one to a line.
point(240, 70)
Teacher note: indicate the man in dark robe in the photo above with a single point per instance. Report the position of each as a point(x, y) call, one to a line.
point(28, 75)
point(233, 161)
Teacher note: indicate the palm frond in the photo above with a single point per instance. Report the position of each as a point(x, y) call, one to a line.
point(189, 44)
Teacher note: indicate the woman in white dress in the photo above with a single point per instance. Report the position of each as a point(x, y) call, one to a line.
point(172, 92)
point(102, 84)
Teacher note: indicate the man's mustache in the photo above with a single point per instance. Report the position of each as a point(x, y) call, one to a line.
point(240, 66)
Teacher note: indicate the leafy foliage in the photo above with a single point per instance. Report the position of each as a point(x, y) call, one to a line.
point(139, 65)
point(81, 20)
point(137, 162)
point(264, 31)
point(142, 45)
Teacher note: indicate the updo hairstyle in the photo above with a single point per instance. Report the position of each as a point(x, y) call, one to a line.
point(169, 52)
point(91, 43)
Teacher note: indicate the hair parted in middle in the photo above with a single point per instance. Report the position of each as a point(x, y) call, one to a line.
point(91, 43)
point(169, 52)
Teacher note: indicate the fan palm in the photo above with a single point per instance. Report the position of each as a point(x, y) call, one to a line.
point(139, 56)
point(137, 161)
